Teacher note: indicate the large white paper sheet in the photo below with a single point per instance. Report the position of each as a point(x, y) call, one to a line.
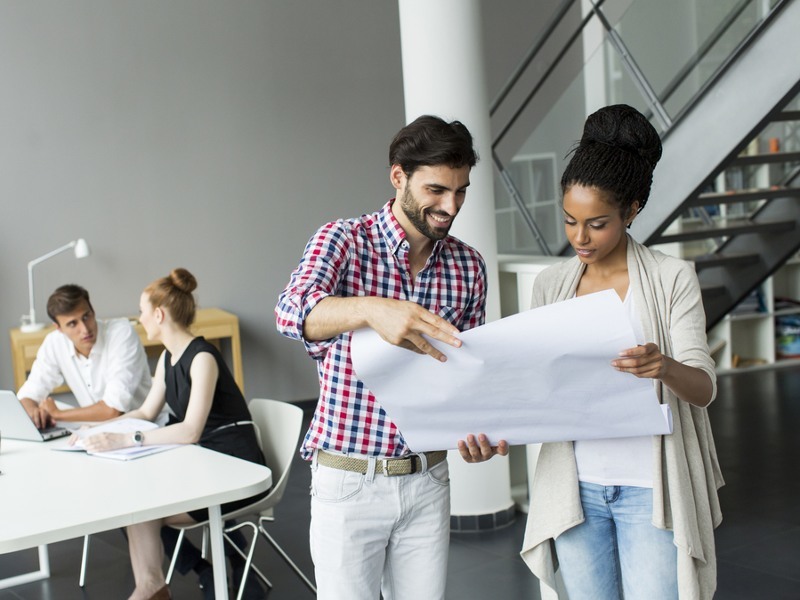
point(538, 376)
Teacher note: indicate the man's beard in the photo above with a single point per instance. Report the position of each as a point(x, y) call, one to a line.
point(416, 215)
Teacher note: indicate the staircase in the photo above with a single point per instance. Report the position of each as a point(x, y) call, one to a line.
point(730, 207)
point(750, 246)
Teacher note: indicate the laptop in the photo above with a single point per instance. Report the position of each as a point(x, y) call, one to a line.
point(15, 424)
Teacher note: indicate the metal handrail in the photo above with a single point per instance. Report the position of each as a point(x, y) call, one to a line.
point(542, 80)
point(549, 29)
point(704, 49)
point(641, 81)
point(729, 61)
point(633, 69)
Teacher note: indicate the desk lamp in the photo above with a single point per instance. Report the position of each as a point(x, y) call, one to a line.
point(81, 251)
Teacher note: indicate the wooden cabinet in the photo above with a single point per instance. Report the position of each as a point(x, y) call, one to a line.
point(212, 323)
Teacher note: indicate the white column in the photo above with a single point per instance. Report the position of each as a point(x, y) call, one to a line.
point(443, 75)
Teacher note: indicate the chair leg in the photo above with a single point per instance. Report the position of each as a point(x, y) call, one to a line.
point(248, 565)
point(174, 558)
point(283, 554)
point(204, 543)
point(84, 560)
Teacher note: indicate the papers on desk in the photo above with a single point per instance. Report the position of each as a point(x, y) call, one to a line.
point(119, 426)
point(543, 375)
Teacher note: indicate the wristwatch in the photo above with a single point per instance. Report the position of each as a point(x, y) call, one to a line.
point(138, 438)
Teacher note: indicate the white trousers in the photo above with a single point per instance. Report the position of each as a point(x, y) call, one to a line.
point(372, 534)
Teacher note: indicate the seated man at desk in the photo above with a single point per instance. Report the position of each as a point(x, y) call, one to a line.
point(102, 361)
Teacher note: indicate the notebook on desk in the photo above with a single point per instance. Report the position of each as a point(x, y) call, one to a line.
point(15, 424)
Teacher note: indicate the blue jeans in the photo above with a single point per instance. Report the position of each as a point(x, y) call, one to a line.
point(617, 552)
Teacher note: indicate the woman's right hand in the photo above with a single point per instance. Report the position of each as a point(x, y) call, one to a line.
point(105, 441)
point(73, 439)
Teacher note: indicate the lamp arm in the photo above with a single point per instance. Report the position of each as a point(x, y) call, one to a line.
point(33, 263)
point(44, 257)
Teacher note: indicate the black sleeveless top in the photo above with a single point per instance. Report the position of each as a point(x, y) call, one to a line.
point(227, 408)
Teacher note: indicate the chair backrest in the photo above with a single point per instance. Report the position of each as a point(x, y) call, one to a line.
point(279, 425)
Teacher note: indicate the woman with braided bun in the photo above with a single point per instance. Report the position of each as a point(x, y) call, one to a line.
point(629, 517)
point(207, 409)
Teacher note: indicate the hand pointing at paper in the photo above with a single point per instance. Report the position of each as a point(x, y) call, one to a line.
point(399, 322)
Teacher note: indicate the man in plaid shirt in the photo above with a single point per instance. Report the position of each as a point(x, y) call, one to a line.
point(379, 512)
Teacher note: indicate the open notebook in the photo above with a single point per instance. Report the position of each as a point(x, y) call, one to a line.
point(128, 426)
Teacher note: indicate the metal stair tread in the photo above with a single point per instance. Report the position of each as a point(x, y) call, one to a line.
point(787, 115)
point(739, 228)
point(762, 159)
point(732, 197)
point(708, 261)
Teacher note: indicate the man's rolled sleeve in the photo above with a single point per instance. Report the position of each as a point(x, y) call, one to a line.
point(45, 375)
point(126, 363)
point(476, 315)
point(315, 278)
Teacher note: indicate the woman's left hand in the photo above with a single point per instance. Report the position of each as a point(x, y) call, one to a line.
point(102, 442)
point(643, 361)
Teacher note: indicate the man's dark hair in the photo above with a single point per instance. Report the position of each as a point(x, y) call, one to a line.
point(430, 141)
point(65, 300)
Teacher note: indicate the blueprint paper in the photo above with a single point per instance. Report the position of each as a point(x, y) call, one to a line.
point(542, 375)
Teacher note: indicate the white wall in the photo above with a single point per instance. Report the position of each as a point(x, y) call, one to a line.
point(211, 135)
point(197, 133)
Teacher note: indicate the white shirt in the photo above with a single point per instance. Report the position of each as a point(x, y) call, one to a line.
point(116, 370)
point(618, 461)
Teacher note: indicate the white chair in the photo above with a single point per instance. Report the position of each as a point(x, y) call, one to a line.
point(278, 425)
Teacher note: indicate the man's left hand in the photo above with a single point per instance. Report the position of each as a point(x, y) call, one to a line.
point(480, 450)
point(49, 405)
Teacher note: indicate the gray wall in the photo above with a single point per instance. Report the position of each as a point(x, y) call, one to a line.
point(211, 135)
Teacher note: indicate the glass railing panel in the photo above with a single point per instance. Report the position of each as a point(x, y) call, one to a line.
point(536, 165)
point(677, 46)
point(713, 60)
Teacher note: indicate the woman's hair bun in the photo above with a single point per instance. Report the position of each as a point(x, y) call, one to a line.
point(624, 127)
point(183, 280)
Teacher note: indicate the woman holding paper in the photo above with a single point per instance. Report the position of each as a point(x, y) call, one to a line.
point(629, 516)
point(208, 409)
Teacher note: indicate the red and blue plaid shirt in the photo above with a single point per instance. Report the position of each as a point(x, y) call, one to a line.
point(368, 256)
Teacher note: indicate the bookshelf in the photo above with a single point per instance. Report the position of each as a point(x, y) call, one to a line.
point(747, 337)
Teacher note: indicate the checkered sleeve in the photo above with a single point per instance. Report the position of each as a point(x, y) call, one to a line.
point(316, 277)
point(475, 315)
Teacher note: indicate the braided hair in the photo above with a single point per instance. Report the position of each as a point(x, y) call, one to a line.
point(617, 154)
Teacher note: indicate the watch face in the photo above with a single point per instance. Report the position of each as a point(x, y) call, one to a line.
point(138, 437)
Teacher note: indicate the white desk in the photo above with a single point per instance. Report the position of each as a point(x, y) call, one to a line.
point(49, 496)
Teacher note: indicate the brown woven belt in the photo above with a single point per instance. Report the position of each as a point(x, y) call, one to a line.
point(386, 466)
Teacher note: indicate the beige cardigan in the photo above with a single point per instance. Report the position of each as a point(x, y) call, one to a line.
point(686, 473)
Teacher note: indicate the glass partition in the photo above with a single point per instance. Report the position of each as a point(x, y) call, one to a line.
point(656, 56)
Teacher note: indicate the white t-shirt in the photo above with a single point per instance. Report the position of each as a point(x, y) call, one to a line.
point(116, 370)
point(618, 461)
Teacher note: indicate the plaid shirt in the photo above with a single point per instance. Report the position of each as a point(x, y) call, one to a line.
point(368, 256)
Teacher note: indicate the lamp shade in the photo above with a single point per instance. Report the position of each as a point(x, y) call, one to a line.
point(82, 248)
